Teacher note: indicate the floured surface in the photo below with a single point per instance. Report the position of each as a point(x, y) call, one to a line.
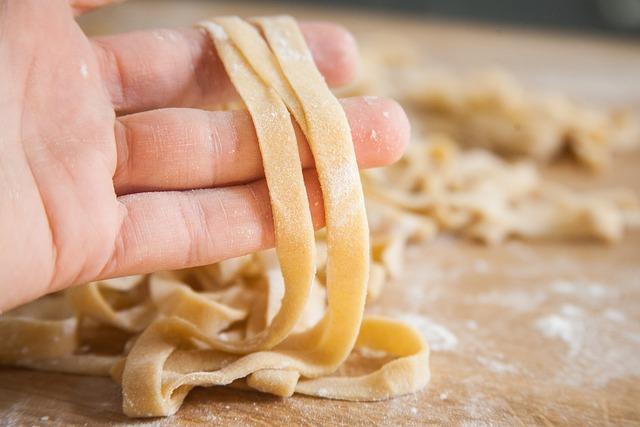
point(502, 320)
point(544, 333)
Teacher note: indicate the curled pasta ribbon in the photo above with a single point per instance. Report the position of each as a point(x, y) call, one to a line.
point(167, 363)
point(241, 322)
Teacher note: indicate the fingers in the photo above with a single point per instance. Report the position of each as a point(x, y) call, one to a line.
point(178, 149)
point(171, 230)
point(152, 69)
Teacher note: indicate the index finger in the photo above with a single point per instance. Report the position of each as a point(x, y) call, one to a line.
point(180, 68)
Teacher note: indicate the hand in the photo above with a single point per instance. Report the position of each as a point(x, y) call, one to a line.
point(100, 156)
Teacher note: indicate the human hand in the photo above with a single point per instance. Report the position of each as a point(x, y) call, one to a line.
point(105, 171)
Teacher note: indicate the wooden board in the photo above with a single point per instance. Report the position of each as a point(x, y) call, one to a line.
point(544, 333)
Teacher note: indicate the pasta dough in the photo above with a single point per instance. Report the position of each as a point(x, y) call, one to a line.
point(163, 334)
point(491, 109)
point(476, 194)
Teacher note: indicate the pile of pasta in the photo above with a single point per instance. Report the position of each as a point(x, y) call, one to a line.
point(479, 195)
point(479, 142)
point(490, 109)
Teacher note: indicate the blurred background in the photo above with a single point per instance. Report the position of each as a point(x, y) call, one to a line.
point(609, 16)
point(617, 17)
point(585, 48)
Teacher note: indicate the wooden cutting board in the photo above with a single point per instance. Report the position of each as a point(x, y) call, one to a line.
point(544, 333)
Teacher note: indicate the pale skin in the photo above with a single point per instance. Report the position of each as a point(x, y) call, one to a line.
point(107, 165)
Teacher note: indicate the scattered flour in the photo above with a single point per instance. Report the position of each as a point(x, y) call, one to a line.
point(84, 70)
point(497, 366)
point(284, 49)
point(600, 345)
point(571, 310)
point(372, 354)
point(556, 326)
point(563, 287)
point(215, 29)
point(597, 291)
point(12, 416)
point(581, 288)
point(371, 100)
point(164, 35)
point(614, 315)
point(480, 266)
point(478, 407)
point(515, 300)
point(69, 326)
point(432, 271)
point(438, 337)
point(476, 423)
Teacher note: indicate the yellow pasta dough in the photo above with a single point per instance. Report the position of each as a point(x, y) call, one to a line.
point(476, 194)
point(163, 334)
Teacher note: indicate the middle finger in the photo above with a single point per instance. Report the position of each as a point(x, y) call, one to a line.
point(144, 70)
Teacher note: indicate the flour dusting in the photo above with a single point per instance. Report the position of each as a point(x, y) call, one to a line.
point(514, 300)
point(581, 288)
point(614, 315)
point(471, 324)
point(323, 392)
point(438, 337)
point(84, 70)
point(563, 287)
point(371, 100)
point(478, 407)
point(497, 366)
point(600, 347)
point(215, 29)
point(371, 353)
point(556, 326)
point(480, 266)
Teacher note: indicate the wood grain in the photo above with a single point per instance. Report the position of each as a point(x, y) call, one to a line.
point(544, 333)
